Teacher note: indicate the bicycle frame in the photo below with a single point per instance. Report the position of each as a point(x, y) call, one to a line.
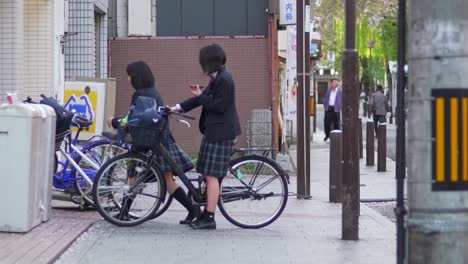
point(75, 165)
point(160, 149)
point(66, 176)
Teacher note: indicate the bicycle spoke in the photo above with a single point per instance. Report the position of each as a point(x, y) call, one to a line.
point(257, 203)
point(128, 190)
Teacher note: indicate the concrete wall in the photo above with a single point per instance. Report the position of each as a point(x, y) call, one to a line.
point(122, 17)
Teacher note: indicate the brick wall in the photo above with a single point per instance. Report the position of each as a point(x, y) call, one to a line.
point(174, 62)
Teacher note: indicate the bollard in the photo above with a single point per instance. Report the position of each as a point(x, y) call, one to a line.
point(336, 164)
point(370, 143)
point(382, 147)
point(361, 143)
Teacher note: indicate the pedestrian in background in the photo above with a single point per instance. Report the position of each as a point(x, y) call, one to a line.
point(379, 106)
point(332, 104)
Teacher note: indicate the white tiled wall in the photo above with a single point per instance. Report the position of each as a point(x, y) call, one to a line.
point(11, 47)
point(38, 48)
point(103, 47)
point(29, 41)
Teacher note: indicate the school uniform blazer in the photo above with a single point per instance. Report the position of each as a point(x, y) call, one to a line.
point(219, 119)
point(152, 92)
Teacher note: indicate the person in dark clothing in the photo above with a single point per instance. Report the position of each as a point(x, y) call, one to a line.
point(219, 124)
point(379, 106)
point(332, 105)
point(142, 80)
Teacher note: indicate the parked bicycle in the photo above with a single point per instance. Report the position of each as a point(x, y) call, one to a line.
point(254, 192)
point(76, 167)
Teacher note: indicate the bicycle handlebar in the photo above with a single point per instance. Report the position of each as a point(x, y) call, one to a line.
point(184, 115)
point(168, 111)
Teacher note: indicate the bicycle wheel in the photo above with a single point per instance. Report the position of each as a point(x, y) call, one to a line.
point(165, 205)
point(127, 191)
point(99, 152)
point(254, 192)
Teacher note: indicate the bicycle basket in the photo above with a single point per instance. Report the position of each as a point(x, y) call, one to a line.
point(144, 135)
point(59, 139)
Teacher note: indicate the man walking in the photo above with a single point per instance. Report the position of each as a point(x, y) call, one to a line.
point(379, 106)
point(332, 104)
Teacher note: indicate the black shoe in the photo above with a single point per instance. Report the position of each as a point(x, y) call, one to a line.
point(326, 138)
point(203, 223)
point(191, 216)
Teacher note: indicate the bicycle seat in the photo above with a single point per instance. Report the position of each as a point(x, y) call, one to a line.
point(82, 122)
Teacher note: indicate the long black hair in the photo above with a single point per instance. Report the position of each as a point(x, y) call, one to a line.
point(212, 58)
point(141, 75)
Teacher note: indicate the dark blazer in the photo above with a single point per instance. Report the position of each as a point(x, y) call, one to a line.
point(148, 92)
point(219, 119)
point(338, 98)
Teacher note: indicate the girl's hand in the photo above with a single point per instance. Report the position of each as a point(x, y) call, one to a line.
point(173, 108)
point(195, 89)
point(109, 121)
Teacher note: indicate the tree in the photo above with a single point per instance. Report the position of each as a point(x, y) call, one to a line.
point(376, 21)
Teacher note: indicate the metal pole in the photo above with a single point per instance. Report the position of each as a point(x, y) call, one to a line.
point(361, 143)
point(335, 169)
point(437, 223)
point(400, 169)
point(274, 64)
point(303, 105)
point(370, 143)
point(350, 206)
point(382, 148)
point(315, 99)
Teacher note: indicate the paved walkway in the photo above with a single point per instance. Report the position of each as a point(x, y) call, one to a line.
point(46, 242)
point(309, 231)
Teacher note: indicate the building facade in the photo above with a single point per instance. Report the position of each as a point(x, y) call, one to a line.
point(27, 45)
point(168, 34)
point(86, 39)
point(45, 43)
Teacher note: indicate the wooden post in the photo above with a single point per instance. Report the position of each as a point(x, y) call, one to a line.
point(382, 148)
point(335, 172)
point(370, 143)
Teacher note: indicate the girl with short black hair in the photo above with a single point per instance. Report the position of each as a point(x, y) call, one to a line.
point(142, 80)
point(219, 124)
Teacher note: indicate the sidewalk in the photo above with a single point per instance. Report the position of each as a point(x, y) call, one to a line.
point(309, 231)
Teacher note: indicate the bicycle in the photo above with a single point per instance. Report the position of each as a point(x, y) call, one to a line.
point(133, 183)
point(73, 180)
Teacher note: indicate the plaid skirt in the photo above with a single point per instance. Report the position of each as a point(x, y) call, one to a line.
point(213, 158)
point(179, 156)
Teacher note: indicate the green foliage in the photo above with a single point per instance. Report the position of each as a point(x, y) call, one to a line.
point(376, 20)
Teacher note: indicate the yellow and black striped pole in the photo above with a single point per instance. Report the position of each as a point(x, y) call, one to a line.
point(450, 139)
